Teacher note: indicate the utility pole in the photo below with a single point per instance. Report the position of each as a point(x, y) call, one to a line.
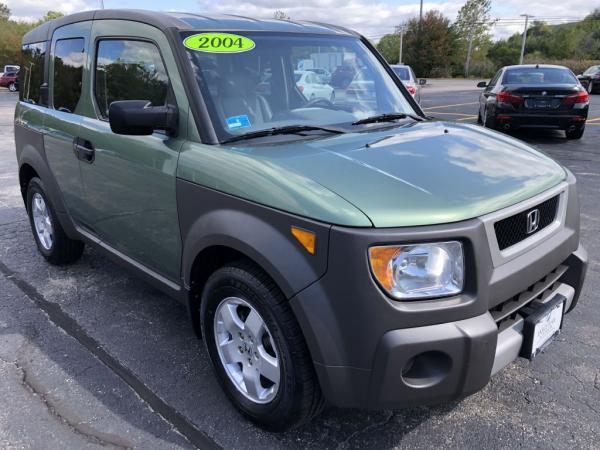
point(421, 13)
point(400, 30)
point(101, 4)
point(470, 48)
point(524, 37)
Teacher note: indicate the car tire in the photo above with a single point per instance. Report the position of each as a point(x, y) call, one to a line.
point(12, 87)
point(235, 299)
point(332, 97)
point(590, 87)
point(479, 120)
point(577, 133)
point(50, 237)
point(488, 122)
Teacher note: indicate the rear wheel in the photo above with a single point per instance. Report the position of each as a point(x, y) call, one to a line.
point(51, 240)
point(257, 348)
point(12, 87)
point(577, 133)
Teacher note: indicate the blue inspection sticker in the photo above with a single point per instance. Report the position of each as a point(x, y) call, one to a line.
point(235, 122)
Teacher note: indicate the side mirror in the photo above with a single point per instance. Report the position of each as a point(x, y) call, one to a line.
point(422, 81)
point(481, 84)
point(140, 118)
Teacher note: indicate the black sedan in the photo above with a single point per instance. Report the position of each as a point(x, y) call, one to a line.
point(591, 79)
point(534, 96)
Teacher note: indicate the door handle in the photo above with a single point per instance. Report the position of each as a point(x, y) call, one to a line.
point(84, 150)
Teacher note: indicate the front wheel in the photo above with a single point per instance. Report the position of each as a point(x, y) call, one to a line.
point(12, 87)
point(51, 239)
point(590, 87)
point(257, 348)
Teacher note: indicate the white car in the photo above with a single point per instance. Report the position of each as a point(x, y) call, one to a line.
point(407, 76)
point(312, 87)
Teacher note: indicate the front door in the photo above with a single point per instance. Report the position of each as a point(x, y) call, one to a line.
point(129, 181)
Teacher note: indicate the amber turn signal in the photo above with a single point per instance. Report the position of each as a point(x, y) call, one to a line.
point(380, 264)
point(308, 239)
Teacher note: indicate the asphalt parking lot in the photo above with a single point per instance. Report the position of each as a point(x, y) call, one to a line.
point(92, 357)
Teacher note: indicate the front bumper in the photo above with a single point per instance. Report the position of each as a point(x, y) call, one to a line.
point(372, 352)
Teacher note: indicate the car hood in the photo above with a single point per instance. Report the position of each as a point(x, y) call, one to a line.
point(421, 173)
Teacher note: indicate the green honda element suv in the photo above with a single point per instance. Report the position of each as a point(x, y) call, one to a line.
point(331, 243)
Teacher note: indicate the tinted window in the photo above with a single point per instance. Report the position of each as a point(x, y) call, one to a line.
point(129, 70)
point(542, 75)
point(592, 70)
point(68, 71)
point(495, 79)
point(402, 73)
point(31, 75)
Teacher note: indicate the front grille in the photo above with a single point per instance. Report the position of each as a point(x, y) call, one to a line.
point(508, 309)
point(513, 229)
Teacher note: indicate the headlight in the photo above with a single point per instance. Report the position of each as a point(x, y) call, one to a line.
point(418, 271)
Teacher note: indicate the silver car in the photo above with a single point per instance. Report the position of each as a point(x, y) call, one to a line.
point(407, 76)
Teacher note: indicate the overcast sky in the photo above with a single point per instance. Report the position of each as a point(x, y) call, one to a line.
point(372, 18)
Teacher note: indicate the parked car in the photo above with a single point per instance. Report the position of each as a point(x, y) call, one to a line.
point(10, 68)
point(590, 79)
point(373, 261)
point(408, 78)
point(323, 74)
point(362, 89)
point(10, 80)
point(534, 96)
point(343, 75)
point(312, 87)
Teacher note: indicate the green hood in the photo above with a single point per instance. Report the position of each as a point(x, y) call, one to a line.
point(419, 174)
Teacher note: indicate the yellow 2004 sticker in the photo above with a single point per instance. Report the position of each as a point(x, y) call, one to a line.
point(219, 43)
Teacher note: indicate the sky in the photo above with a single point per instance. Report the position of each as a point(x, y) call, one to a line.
point(373, 18)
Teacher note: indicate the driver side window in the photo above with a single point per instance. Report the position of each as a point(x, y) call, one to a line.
point(129, 70)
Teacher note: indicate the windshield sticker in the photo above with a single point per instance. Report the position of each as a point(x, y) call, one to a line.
point(235, 122)
point(218, 43)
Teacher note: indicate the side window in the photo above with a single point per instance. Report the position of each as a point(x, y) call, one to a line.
point(129, 70)
point(31, 74)
point(495, 79)
point(68, 72)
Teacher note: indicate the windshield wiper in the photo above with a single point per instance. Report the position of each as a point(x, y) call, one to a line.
point(288, 129)
point(389, 117)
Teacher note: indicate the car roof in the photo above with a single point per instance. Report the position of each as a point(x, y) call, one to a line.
point(535, 66)
point(186, 21)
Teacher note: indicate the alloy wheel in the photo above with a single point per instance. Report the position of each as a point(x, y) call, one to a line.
point(42, 221)
point(247, 350)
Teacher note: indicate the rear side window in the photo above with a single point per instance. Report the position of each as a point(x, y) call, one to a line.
point(31, 74)
point(68, 72)
point(129, 70)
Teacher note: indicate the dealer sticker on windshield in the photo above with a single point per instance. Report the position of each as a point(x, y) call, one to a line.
point(219, 43)
point(236, 122)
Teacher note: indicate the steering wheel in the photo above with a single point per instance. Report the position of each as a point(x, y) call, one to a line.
point(323, 102)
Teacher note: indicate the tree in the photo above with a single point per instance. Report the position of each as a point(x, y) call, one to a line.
point(432, 53)
point(51, 15)
point(4, 12)
point(472, 26)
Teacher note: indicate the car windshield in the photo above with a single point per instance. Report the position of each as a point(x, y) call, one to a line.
point(542, 75)
point(260, 88)
point(402, 73)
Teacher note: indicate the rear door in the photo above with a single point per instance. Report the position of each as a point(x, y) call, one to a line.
point(130, 181)
point(68, 52)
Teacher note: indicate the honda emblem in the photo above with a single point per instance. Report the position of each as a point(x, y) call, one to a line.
point(533, 220)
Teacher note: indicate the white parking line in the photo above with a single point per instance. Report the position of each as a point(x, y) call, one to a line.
point(451, 106)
